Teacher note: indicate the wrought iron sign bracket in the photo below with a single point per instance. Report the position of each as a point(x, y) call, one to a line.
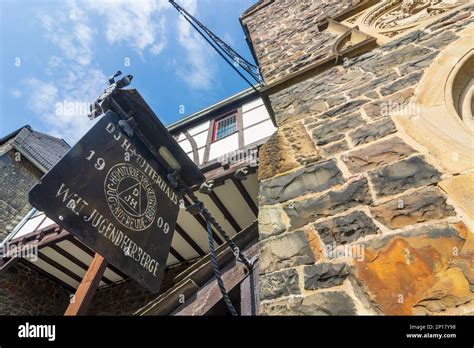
point(100, 106)
point(128, 126)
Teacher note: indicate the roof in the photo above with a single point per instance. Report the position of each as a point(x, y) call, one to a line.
point(13, 134)
point(43, 150)
point(255, 7)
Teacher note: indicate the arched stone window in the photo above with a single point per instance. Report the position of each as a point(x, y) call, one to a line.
point(443, 124)
point(462, 90)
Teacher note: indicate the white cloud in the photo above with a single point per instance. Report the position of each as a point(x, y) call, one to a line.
point(64, 104)
point(198, 72)
point(15, 93)
point(72, 79)
point(43, 96)
point(54, 62)
point(69, 31)
point(63, 100)
point(139, 24)
point(157, 48)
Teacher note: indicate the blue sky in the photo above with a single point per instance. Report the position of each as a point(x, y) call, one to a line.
point(56, 56)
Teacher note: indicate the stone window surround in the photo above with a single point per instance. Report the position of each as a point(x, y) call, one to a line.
point(463, 90)
point(438, 127)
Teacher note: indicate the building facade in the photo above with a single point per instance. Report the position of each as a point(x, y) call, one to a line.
point(349, 176)
point(366, 188)
point(25, 155)
point(223, 140)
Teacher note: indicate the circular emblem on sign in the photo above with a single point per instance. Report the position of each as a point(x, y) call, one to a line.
point(130, 197)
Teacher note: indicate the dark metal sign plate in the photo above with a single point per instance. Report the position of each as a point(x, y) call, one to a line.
point(111, 193)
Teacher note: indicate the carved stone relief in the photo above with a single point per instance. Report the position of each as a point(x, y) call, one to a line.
point(391, 18)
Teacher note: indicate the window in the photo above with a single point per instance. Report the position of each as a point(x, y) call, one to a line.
point(225, 126)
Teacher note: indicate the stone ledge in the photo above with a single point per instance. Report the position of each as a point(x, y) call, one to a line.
point(287, 250)
point(398, 177)
point(322, 303)
point(311, 209)
point(314, 178)
point(345, 229)
point(419, 206)
point(325, 275)
point(377, 155)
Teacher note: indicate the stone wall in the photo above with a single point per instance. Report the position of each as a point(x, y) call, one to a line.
point(16, 179)
point(285, 34)
point(126, 297)
point(24, 291)
point(353, 219)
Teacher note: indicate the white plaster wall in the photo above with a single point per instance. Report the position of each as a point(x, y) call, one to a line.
point(181, 137)
point(199, 128)
point(223, 146)
point(253, 104)
point(185, 145)
point(259, 131)
point(201, 139)
point(254, 116)
point(253, 113)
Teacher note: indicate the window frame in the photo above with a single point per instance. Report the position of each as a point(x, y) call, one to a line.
point(215, 125)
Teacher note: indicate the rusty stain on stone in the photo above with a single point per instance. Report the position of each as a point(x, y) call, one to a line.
point(399, 272)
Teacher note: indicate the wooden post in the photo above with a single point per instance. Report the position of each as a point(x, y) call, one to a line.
point(86, 290)
point(249, 293)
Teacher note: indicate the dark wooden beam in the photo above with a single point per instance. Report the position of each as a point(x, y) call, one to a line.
point(249, 291)
point(86, 290)
point(216, 200)
point(209, 295)
point(54, 239)
point(76, 261)
point(203, 223)
point(35, 235)
point(246, 196)
point(81, 246)
point(193, 147)
point(189, 240)
point(41, 222)
point(201, 270)
point(60, 267)
point(88, 251)
point(177, 255)
point(168, 301)
point(208, 142)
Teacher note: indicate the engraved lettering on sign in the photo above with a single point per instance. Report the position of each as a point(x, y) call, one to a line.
point(73, 201)
point(130, 197)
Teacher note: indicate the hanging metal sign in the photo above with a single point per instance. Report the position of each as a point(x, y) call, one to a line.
point(111, 192)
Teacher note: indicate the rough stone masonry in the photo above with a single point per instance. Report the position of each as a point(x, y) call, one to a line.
point(353, 218)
